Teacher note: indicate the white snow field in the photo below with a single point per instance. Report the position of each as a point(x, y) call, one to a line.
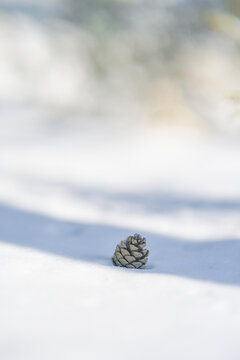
point(87, 160)
point(69, 193)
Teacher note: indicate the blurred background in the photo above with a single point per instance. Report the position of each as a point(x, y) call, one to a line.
point(163, 63)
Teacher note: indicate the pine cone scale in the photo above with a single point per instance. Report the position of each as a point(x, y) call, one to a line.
point(137, 264)
point(123, 245)
point(130, 259)
point(133, 248)
point(125, 252)
point(137, 254)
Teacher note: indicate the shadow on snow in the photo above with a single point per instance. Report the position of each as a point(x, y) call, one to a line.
point(216, 261)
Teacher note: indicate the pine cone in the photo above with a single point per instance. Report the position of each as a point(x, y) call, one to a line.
point(131, 253)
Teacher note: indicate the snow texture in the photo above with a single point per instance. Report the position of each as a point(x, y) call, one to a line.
point(80, 170)
point(69, 193)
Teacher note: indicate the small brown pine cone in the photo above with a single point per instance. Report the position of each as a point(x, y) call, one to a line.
point(130, 253)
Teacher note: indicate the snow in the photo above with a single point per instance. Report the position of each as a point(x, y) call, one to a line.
point(69, 193)
point(83, 165)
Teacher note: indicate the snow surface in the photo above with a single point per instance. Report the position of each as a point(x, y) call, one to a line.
point(69, 193)
point(80, 170)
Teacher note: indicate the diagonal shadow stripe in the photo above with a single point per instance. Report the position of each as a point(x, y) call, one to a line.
point(216, 261)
